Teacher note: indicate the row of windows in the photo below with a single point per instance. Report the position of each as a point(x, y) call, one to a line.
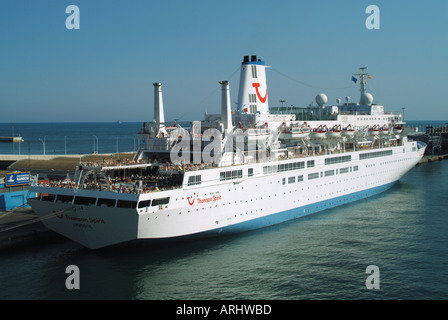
point(284, 167)
point(329, 173)
point(194, 180)
point(293, 179)
point(230, 175)
point(375, 154)
point(338, 160)
point(105, 202)
point(288, 166)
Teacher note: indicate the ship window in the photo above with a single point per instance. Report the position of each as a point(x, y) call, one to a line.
point(126, 204)
point(85, 200)
point(355, 168)
point(63, 198)
point(376, 154)
point(291, 179)
point(229, 175)
point(312, 176)
point(161, 201)
point(299, 178)
point(145, 203)
point(283, 181)
point(337, 160)
point(250, 172)
point(252, 97)
point(310, 163)
point(343, 170)
point(49, 197)
point(106, 202)
point(194, 180)
point(329, 173)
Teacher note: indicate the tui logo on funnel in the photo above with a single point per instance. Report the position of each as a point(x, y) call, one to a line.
point(256, 85)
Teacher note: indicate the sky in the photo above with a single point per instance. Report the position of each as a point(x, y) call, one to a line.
point(104, 70)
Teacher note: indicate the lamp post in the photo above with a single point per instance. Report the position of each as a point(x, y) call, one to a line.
point(95, 137)
point(282, 101)
point(43, 143)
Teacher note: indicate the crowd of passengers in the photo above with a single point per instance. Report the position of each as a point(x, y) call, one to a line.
point(133, 183)
point(129, 162)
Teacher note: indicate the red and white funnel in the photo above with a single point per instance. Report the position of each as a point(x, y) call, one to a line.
point(253, 91)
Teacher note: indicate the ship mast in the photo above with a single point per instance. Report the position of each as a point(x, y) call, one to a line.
point(363, 79)
point(365, 97)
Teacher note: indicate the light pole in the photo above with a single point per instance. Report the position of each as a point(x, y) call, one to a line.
point(95, 137)
point(282, 101)
point(43, 143)
point(402, 114)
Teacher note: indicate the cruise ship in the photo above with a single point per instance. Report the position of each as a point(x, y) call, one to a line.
point(231, 172)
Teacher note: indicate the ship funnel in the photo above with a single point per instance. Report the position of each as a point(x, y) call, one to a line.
point(159, 116)
point(226, 113)
point(253, 92)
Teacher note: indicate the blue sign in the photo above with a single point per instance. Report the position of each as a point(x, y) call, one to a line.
point(17, 179)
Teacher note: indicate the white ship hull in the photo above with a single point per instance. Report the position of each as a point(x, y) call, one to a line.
point(228, 206)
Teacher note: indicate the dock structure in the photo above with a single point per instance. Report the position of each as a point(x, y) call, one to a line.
point(11, 139)
point(435, 136)
point(21, 227)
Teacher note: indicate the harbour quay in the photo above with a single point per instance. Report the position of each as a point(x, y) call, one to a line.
point(21, 227)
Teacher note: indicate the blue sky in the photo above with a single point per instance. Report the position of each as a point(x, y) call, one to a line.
point(104, 71)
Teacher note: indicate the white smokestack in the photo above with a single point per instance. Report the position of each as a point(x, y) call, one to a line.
point(159, 115)
point(226, 113)
point(253, 92)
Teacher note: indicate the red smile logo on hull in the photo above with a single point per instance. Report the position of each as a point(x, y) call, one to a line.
point(262, 100)
point(191, 202)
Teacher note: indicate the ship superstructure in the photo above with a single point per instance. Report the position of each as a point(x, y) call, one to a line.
point(232, 171)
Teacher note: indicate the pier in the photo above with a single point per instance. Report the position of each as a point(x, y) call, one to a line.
point(21, 227)
point(435, 136)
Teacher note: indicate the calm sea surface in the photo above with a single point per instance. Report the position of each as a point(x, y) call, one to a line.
point(404, 232)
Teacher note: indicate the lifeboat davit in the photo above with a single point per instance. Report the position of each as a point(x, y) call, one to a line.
point(319, 133)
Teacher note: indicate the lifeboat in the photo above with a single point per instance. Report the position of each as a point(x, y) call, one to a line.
point(384, 130)
point(374, 130)
point(295, 131)
point(335, 132)
point(319, 133)
point(257, 133)
point(348, 131)
point(397, 129)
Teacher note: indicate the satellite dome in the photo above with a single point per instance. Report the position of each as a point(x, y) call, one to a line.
point(347, 98)
point(321, 99)
point(366, 99)
point(338, 100)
